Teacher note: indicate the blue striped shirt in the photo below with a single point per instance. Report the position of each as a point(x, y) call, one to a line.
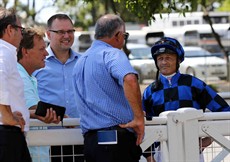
point(98, 81)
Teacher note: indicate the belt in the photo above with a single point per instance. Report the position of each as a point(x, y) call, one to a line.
point(116, 127)
point(9, 128)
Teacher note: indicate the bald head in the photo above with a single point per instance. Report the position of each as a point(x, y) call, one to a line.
point(107, 25)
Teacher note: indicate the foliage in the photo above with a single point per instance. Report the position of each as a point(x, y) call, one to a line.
point(142, 11)
point(100, 7)
point(86, 12)
point(225, 6)
point(3, 3)
point(76, 10)
point(147, 8)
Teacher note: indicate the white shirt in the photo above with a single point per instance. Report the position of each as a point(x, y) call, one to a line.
point(11, 84)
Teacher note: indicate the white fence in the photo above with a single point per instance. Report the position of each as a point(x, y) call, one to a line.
point(180, 130)
point(177, 131)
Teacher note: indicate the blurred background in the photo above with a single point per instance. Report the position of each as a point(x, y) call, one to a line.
point(202, 27)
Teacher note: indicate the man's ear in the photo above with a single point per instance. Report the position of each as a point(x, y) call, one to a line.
point(24, 52)
point(48, 34)
point(117, 36)
point(9, 29)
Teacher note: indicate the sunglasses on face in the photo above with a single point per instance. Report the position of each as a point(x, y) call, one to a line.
point(20, 27)
point(126, 35)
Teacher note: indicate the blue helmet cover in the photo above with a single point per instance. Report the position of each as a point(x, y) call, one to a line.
point(167, 43)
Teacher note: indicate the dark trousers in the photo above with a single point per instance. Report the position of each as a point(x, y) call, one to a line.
point(13, 146)
point(124, 151)
point(68, 153)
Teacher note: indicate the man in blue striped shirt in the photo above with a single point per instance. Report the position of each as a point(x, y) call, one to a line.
point(108, 97)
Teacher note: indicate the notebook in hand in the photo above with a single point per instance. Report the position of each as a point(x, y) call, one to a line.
point(43, 106)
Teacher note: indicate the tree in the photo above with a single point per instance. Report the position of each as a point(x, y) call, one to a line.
point(100, 7)
point(3, 3)
point(26, 9)
point(225, 6)
point(217, 37)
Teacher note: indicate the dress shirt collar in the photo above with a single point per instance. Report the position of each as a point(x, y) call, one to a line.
point(174, 78)
point(99, 42)
point(51, 53)
point(11, 47)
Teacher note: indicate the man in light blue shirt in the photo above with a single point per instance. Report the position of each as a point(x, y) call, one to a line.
point(109, 97)
point(31, 55)
point(55, 82)
point(55, 79)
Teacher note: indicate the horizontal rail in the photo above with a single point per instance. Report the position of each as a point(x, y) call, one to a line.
point(168, 128)
point(225, 95)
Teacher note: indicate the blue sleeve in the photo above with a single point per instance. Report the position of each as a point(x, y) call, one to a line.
point(208, 98)
point(118, 65)
point(217, 104)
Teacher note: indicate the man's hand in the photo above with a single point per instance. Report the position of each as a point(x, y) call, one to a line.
point(11, 118)
point(51, 117)
point(138, 126)
point(205, 142)
point(17, 116)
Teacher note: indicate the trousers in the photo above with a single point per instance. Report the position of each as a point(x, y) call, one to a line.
point(125, 150)
point(13, 146)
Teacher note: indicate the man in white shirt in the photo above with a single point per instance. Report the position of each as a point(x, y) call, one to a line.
point(14, 117)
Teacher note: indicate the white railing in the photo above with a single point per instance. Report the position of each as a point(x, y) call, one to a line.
point(179, 135)
point(177, 131)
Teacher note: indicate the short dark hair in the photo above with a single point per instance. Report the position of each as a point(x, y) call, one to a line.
point(27, 41)
point(58, 16)
point(7, 17)
point(107, 25)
